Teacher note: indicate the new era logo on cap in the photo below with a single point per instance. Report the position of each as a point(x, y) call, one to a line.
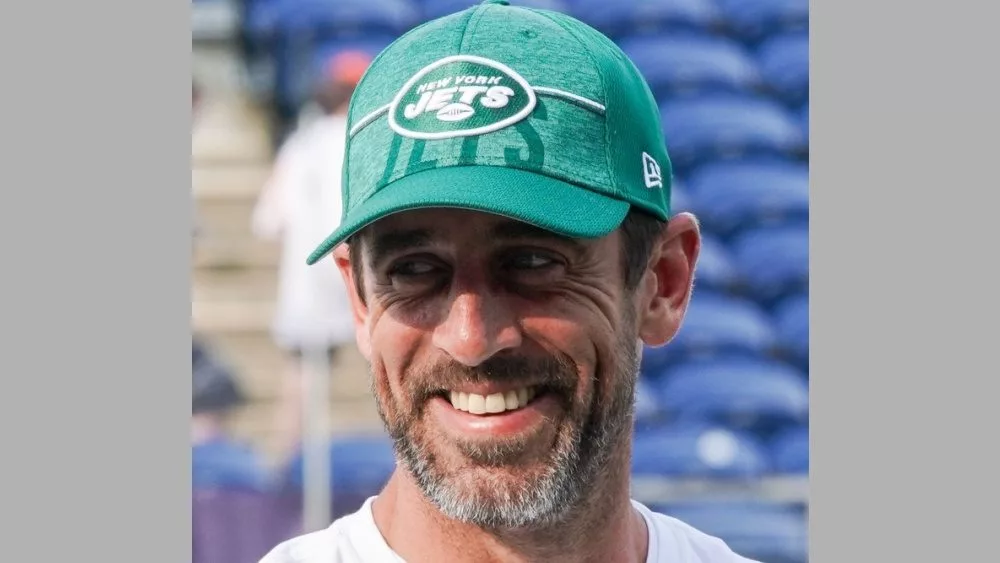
point(651, 172)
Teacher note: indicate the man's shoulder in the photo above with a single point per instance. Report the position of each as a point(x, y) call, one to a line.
point(676, 540)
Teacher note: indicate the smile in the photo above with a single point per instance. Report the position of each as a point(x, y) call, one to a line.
point(494, 403)
point(491, 410)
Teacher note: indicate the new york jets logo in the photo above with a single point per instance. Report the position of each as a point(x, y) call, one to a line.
point(459, 96)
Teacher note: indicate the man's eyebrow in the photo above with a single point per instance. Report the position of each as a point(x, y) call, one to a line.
point(516, 230)
point(394, 242)
point(385, 244)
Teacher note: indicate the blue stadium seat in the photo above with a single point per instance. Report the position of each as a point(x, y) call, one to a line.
point(720, 126)
point(680, 199)
point(717, 323)
point(330, 18)
point(698, 450)
point(653, 359)
point(291, 31)
point(647, 409)
point(789, 451)
point(754, 394)
point(791, 320)
point(773, 262)
point(804, 120)
point(226, 464)
point(754, 20)
point(686, 64)
point(431, 9)
point(633, 17)
point(715, 270)
point(766, 532)
point(784, 66)
point(732, 196)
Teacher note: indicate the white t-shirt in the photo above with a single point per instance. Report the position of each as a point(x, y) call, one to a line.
point(356, 539)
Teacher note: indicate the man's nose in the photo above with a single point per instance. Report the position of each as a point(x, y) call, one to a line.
point(477, 326)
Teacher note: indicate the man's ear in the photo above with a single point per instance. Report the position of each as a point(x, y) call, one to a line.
point(342, 256)
point(668, 282)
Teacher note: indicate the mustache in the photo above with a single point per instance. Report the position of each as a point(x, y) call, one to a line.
point(551, 372)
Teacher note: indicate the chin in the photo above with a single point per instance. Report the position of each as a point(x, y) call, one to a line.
point(503, 484)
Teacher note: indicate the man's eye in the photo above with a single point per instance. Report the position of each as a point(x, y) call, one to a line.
point(529, 261)
point(412, 268)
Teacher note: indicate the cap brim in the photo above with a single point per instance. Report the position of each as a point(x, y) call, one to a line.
point(543, 201)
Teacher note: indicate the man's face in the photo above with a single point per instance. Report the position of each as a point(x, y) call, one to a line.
point(503, 360)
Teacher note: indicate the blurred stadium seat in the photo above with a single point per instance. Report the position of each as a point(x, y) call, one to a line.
point(719, 324)
point(689, 64)
point(755, 394)
point(764, 532)
point(791, 319)
point(330, 18)
point(680, 199)
point(431, 9)
point(624, 17)
point(753, 20)
point(732, 196)
point(789, 451)
point(784, 66)
point(290, 30)
point(773, 261)
point(698, 450)
point(715, 270)
point(727, 126)
point(647, 410)
point(803, 118)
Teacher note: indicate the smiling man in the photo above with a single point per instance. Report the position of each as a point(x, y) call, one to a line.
point(507, 191)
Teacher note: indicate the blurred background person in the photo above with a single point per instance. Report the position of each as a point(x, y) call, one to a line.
point(312, 316)
point(218, 458)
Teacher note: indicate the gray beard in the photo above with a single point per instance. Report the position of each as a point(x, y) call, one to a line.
point(581, 455)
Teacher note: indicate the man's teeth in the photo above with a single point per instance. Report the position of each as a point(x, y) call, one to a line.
point(492, 404)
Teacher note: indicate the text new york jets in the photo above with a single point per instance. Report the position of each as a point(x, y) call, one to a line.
point(459, 96)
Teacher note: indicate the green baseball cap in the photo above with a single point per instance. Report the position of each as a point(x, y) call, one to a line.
point(519, 112)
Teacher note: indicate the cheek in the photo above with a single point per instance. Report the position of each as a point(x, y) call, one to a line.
point(585, 344)
point(585, 334)
point(394, 348)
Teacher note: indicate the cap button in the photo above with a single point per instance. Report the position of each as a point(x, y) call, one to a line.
point(501, 2)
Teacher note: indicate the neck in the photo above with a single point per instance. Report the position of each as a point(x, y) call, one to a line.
point(604, 527)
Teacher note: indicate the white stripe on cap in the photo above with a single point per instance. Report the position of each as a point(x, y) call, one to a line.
point(591, 104)
point(369, 118)
point(570, 96)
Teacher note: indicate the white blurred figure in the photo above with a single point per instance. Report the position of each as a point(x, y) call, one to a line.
point(296, 206)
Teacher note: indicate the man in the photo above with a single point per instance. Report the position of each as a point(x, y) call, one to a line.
point(506, 196)
point(297, 205)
